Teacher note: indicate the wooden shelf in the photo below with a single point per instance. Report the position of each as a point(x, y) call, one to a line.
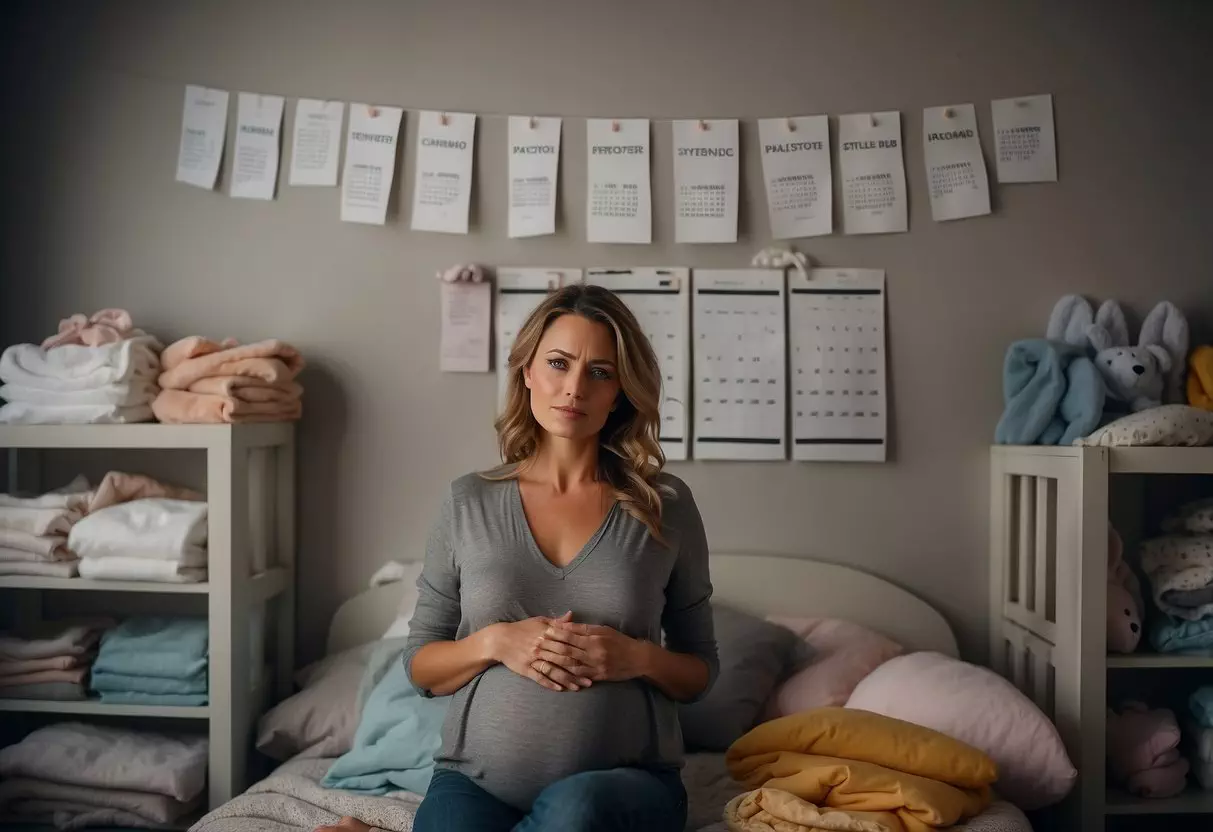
point(98, 708)
point(262, 587)
point(1193, 801)
point(1158, 661)
point(145, 435)
point(1161, 460)
point(82, 584)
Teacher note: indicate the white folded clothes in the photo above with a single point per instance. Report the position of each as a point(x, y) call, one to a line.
point(155, 528)
point(40, 568)
point(123, 394)
point(20, 413)
point(76, 367)
point(72, 497)
point(38, 521)
point(112, 568)
point(42, 546)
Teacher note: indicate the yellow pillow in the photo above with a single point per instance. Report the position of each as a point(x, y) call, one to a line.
point(853, 734)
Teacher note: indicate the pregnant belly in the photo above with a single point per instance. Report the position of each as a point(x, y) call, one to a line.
point(519, 737)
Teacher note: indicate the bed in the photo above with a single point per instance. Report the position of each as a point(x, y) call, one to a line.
point(292, 799)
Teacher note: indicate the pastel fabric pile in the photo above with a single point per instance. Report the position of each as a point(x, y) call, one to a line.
point(208, 381)
point(49, 660)
point(1200, 734)
point(149, 539)
point(1052, 393)
point(72, 775)
point(34, 530)
point(1179, 566)
point(96, 370)
point(153, 660)
point(1143, 751)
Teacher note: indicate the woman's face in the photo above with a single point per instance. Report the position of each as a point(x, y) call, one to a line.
point(574, 378)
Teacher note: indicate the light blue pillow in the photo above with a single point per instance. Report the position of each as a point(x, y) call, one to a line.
point(398, 733)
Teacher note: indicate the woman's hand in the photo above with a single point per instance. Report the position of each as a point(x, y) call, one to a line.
point(517, 645)
point(346, 824)
point(600, 653)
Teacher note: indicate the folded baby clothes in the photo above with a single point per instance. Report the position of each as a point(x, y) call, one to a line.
point(74, 676)
point(102, 757)
point(195, 358)
point(23, 413)
point(74, 807)
point(41, 568)
point(155, 528)
point(135, 697)
point(52, 638)
point(14, 667)
point(48, 514)
point(1177, 635)
point(1180, 570)
point(106, 682)
point(159, 646)
point(72, 367)
point(54, 691)
point(112, 568)
point(37, 547)
point(105, 326)
point(120, 487)
point(247, 388)
point(1143, 750)
point(122, 394)
point(185, 408)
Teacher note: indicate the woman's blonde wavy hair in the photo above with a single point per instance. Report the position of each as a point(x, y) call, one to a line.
point(630, 456)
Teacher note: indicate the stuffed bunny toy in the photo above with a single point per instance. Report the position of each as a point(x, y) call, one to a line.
point(1126, 607)
point(1141, 376)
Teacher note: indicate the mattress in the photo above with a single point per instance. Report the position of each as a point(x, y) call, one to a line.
point(292, 800)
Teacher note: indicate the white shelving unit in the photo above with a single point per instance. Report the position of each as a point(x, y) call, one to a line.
point(1049, 512)
point(250, 492)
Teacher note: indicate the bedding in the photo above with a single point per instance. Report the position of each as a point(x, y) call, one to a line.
point(1180, 571)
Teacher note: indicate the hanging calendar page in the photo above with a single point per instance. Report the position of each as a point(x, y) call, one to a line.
point(837, 340)
point(740, 368)
point(661, 301)
point(956, 171)
point(1025, 139)
point(518, 292)
point(873, 173)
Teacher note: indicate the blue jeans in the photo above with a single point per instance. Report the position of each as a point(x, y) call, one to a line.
point(614, 800)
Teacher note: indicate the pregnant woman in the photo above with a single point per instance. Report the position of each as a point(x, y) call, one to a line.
point(547, 585)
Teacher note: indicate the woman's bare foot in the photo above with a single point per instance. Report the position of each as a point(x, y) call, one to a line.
point(346, 824)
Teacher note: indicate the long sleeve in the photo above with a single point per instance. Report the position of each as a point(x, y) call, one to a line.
point(437, 614)
point(687, 617)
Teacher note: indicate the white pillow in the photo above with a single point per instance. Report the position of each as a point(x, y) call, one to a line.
point(1170, 424)
point(407, 574)
point(976, 706)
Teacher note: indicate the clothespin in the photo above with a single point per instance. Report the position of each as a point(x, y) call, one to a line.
point(534, 121)
point(703, 125)
point(872, 119)
point(614, 125)
point(948, 112)
point(444, 119)
point(373, 112)
point(791, 126)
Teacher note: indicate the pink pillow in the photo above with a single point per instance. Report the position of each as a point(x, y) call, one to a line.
point(843, 654)
point(976, 706)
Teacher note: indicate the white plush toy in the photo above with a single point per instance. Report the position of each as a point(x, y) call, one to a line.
point(1138, 375)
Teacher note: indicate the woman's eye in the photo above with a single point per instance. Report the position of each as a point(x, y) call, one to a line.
point(601, 374)
point(556, 363)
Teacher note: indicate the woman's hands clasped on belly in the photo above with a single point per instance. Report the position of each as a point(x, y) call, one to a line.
point(517, 645)
point(597, 652)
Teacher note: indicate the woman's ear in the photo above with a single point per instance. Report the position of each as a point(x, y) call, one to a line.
point(526, 376)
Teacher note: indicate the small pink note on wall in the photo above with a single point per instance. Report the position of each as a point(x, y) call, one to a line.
point(466, 323)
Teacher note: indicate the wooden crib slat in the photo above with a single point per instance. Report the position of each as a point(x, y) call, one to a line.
point(1026, 556)
point(1045, 526)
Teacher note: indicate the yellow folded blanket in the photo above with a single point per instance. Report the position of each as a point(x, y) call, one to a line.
point(1200, 378)
point(860, 761)
point(772, 810)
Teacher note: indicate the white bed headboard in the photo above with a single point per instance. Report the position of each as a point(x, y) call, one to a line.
point(761, 584)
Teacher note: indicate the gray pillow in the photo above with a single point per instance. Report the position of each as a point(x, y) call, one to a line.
point(755, 656)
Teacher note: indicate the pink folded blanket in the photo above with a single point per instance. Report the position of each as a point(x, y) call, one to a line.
point(16, 667)
point(247, 388)
point(119, 487)
point(193, 358)
point(75, 676)
point(184, 407)
point(103, 327)
point(1139, 740)
point(1161, 781)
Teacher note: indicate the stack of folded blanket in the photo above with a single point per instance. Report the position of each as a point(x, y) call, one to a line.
point(153, 660)
point(1052, 391)
point(1143, 751)
point(853, 770)
point(149, 539)
point(99, 369)
point(72, 775)
point(1200, 735)
point(208, 381)
point(1179, 566)
point(49, 660)
point(33, 531)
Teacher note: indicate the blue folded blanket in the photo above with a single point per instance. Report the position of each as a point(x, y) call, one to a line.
point(162, 647)
point(1174, 635)
point(1053, 394)
point(136, 698)
point(398, 733)
point(122, 683)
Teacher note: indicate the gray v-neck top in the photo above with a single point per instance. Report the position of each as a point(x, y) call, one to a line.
point(482, 565)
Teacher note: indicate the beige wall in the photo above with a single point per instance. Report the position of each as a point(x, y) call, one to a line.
point(93, 218)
